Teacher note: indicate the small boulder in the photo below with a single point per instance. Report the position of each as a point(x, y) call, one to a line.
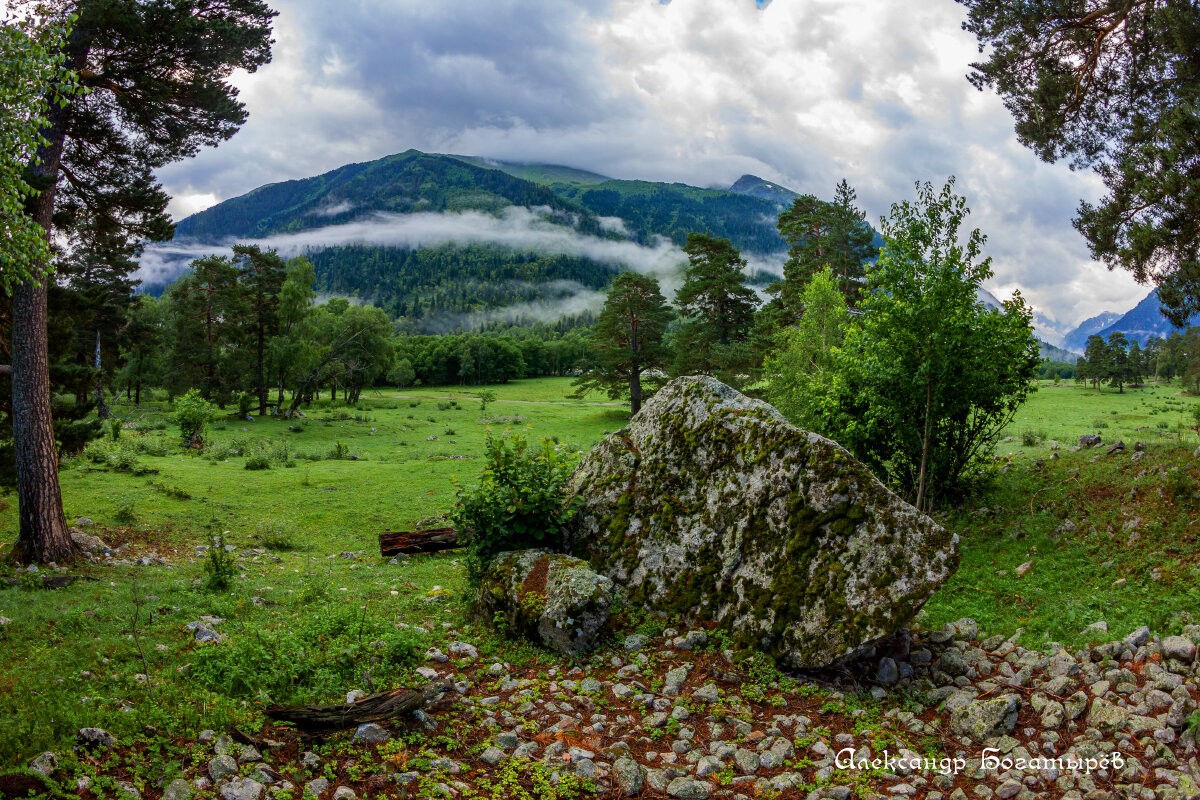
point(92, 545)
point(985, 719)
point(551, 598)
point(1090, 440)
point(91, 738)
point(46, 764)
point(371, 733)
point(242, 789)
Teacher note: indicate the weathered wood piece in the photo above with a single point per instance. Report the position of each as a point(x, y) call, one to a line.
point(428, 541)
point(372, 708)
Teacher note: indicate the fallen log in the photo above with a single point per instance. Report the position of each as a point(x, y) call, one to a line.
point(428, 541)
point(372, 708)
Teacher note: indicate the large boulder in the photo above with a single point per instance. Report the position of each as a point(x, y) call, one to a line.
point(712, 505)
point(552, 598)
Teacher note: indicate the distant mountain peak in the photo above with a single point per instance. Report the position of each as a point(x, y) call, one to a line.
point(763, 189)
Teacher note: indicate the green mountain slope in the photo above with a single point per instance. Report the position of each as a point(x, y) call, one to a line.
point(404, 183)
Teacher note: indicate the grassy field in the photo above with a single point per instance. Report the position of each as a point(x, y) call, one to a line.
point(314, 612)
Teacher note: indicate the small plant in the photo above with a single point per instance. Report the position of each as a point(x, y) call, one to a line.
point(244, 402)
point(448, 432)
point(486, 396)
point(518, 503)
point(193, 413)
point(126, 514)
point(258, 461)
point(114, 428)
point(274, 535)
point(340, 452)
point(219, 565)
point(1030, 438)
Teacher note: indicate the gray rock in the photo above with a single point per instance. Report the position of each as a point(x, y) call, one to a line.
point(492, 756)
point(636, 641)
point(242, 789)
point(628, 775)
point(314, 788)
point(1106, 717)
point(1138, 638)
point(45, 764)
point(1090, 440)
point(127, 789)
point(344, 793)
point(773, 531)
point(1179, 647)
point(178, 789)
point(746, 760)
point(688, 789)
point(85, 522)
point(222, 767)
point(89, 544)
point(370, 733)
point(888, 673)
point(91, 738)
point(554, 599)
point(984, 719)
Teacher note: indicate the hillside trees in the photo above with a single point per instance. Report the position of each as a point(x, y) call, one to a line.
point(156, 79)
point(1112, 87)
point(627, 341)
point(821, 234)
point(717, 310)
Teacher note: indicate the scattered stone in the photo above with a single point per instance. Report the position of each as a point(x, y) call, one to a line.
point(222, 767)
point(242, 789)
point(371, 733)
point(178, 789)
point(1023, 569)
point(628, 775)
point(984, 719)
point(45, 764)
point(91, 738)
point(315, 788)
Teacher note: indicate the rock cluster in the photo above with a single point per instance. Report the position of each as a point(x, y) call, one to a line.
point(711, 505)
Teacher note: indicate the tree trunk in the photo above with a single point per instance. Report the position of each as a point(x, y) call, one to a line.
point(262, 369)
point(42, 534)
point(428, 541)
point(102, 410)
point(925, 444)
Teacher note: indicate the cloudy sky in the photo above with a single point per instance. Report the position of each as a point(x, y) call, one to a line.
point(802, 92)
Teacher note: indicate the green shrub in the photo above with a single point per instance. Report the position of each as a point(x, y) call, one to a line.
point(339, 452)
point(126, 514)
point(114, 428)
point(274, 535)
point(1031, 438)
point(258, 461)
point(518, 503)
point(219, 565)
point(245, 402)
point(1099, 423)
point(448, 432)
point(192, 413)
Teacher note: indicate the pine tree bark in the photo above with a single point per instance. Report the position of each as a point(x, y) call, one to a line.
point(42, 527)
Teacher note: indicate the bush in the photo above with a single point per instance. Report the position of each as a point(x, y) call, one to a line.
point(126, 514)
point(274, 535)
point(1030, 438)
point(518, 503)
point(258, 461)
point(244, 402)
point(220, 566)
point(192, 413)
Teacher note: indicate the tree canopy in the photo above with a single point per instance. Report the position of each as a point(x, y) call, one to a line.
point(1114, 87)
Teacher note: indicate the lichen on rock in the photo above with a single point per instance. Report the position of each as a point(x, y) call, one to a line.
point(712, 505)
point(551, 598)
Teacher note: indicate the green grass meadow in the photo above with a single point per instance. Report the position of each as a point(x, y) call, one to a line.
point(313, 611)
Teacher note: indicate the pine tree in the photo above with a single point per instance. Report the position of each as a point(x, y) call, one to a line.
point(718, 310)
point(157, 79)
point(262, 275)
point(627, 340)
point(1112, 87)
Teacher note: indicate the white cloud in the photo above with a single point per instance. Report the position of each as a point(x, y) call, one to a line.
point(700, 91)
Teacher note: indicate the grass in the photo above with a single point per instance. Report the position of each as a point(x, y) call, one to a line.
point(312, 611)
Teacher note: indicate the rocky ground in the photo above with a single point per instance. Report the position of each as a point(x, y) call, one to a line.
point(943, 715)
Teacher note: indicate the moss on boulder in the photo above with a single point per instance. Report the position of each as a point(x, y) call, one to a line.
point(712, 505)
point(551, 598)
